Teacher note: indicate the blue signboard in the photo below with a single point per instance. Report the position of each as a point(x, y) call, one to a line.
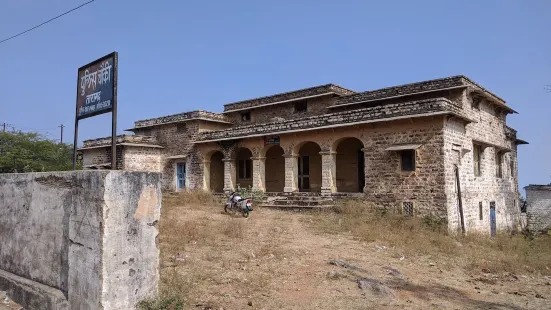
point(97, 82)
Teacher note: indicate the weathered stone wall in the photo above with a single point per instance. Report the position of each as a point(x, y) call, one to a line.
point(142, 159)
point(181, 117)
point(134, 139)
point(283, 111)
point(100, 157)
point(301, 93)
point(95, 156)
point(79, 240)
point(489, 131)
point(385, 183)
point(538, 209)
point(368, 114)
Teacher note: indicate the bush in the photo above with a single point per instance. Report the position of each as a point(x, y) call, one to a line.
point(248, 192)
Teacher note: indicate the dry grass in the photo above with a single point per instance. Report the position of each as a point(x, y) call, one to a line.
point(279, 260)
point(413, 236)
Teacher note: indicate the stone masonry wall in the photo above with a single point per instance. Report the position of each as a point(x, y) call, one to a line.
point(386, 185)
point(538, 210)
point(403, 109)
point(283, 111)
point(306, 92)
point(142, 159)
point(489, 132)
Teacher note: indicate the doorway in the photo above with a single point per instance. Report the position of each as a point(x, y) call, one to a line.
point(493, 224)
point(180, 176)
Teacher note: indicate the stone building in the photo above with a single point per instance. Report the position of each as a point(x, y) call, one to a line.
point(403, 148)
point(538, 207)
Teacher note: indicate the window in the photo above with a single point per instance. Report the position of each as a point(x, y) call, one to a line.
point(408, 160)
point(512, 166)
point(499, 164)
point(244, 169)
point(407, 208)
point(181, 127)
point(480, 214)
point(301, 106)
point(477, 154)
point(246, 116)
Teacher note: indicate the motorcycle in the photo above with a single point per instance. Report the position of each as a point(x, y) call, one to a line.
point(237, 203)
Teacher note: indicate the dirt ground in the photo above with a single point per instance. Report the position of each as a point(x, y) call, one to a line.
point(7, 304)
point(279, 260)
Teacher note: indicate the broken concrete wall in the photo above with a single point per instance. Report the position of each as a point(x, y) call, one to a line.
point(79, 240)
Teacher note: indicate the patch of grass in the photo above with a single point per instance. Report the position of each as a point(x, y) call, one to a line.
point(199, 197)
point(168, 303)
point(412, 236)
point(234, 228)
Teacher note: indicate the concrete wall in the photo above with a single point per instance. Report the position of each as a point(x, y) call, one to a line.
point(538, 208)
point(79, 240)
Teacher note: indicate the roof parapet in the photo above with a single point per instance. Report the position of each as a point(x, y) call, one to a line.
point(288, 96)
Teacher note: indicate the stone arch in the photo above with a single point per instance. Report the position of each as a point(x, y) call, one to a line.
point(244, 167)
point(350, 165)
point(274, 168)
point(309, 166)
point(216, 172)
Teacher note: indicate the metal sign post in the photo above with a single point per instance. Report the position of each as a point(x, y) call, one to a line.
point(97, 94)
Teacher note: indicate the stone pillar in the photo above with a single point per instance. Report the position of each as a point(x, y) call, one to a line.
point(259, 173)
point(291, 173)
point(328, 172)
point(229, 174)
point(365, 151)
point(206, 175)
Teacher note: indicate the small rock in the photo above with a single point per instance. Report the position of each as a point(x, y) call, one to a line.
point(403, 257)
point(333, 275)
point(476, 288)
point(180, 257)
point(250, 303)
point(432, 264)
point(375, 287)
point(548, 283)
point(539, 296)
point(485, 270)
point(276, 229)
point(495, 292)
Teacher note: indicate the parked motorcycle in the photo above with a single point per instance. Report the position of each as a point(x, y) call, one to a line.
point(237, 203)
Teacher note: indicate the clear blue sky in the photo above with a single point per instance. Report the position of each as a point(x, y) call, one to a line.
point(176, 56)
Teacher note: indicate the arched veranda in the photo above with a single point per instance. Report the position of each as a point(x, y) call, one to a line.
point(216, 172)
point(309, 167)
point(274, 169)
point(350, 165)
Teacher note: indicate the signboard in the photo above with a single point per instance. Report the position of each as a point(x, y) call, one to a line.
point(96, 87)
point(97, 94)
point(271, 140)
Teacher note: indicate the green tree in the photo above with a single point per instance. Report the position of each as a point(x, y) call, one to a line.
point(31, 152)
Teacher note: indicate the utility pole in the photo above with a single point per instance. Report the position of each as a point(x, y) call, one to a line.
point(61, 132)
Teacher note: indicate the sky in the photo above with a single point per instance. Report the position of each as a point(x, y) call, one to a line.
point(176, 56)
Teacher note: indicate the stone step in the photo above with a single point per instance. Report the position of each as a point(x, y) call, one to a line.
point(296, 207)
point(302, 202)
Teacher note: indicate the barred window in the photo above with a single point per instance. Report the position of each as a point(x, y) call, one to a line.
point(480, 214)
point(407, 208)
point(477, 155)
point(181, 127)
point(407, 158)
point(499, 164)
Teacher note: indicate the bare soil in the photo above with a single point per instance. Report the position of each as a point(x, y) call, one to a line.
point(282, 260)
